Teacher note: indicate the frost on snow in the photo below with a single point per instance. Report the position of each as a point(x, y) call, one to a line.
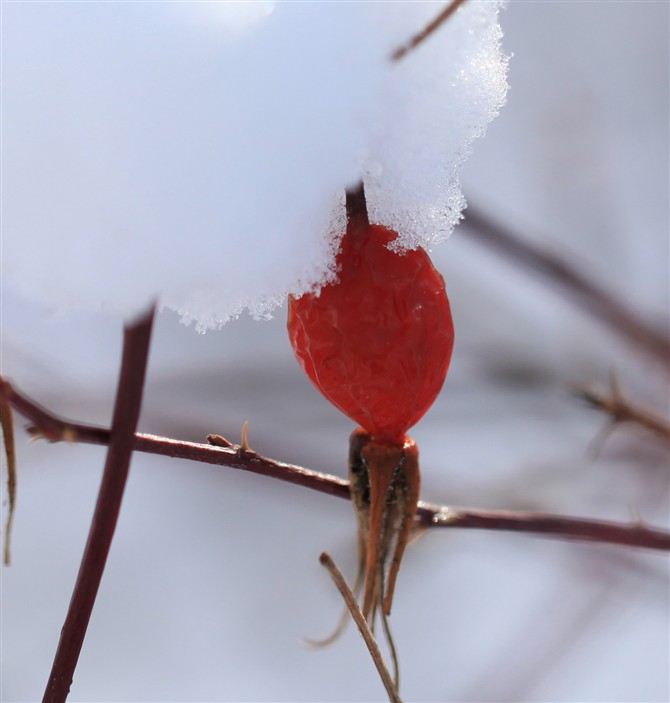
point(196, 153)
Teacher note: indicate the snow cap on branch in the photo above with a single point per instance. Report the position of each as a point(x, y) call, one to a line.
point(197, 152)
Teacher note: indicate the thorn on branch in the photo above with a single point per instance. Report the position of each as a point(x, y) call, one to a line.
point(636, 517)
point(216, 440)
point(621, 411)
point(66, 433)
point(244, 448)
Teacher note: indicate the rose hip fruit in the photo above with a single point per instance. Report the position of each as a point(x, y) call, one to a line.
point(377, 342)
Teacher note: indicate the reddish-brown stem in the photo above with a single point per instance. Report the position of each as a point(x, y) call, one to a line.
point(621, 411)
point(363, 627)
point(421, 36)
point(577, 285)
point(631, 535)
point(120, 447)
point(357, 207)
point(428, 515)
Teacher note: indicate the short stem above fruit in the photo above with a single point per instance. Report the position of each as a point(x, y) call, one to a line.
point(357, 207)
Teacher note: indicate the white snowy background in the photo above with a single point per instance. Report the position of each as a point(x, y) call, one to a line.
point(213, 576)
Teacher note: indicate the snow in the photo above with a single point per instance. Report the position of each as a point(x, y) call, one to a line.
point(196, 153)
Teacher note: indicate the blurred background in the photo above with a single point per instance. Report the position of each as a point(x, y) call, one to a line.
point(213, 577)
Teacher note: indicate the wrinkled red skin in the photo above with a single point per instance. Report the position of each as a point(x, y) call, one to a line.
point(377, 342)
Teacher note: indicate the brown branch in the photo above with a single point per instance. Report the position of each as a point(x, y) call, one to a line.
point(428, 515)
point(120, 447)
point(621, 411)
point(421, 36)
point(589, 297)
point(631, 535)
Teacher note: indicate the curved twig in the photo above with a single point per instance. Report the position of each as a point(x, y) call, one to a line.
point(363, 627)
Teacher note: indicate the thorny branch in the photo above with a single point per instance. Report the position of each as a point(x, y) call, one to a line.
point(55, 429)
point(620, 411)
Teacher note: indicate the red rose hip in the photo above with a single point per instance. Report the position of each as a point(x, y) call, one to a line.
point(377, 342)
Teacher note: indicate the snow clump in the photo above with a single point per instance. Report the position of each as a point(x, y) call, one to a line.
point(196, 153)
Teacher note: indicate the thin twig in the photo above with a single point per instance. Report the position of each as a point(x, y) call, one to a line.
point(419, 38)
point(362, 625)
point(121, 443)
point(620, 411)
point(588, 296)
point(428, 515)
point(344, 617)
